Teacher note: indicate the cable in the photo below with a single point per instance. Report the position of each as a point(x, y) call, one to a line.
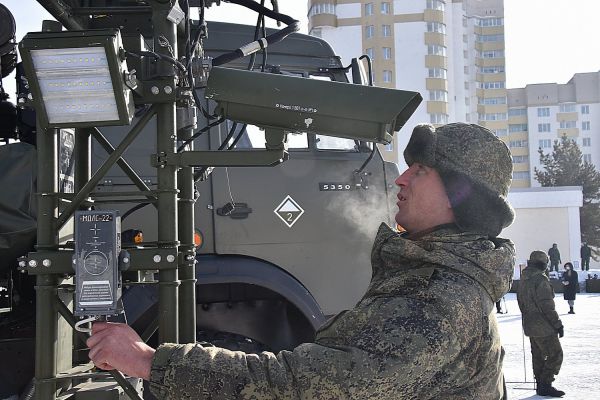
point(133, 209)
point(362, 167)
point(200, 132)
point(156, 56)
point(200, 172)
point(370, 66)
point(250, 48)
point(78, 324)
point(238, 137)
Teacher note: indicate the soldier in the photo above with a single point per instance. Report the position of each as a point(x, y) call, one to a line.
point(554, 255)
point(586, 254)
point(425, 329)
point(541, 323)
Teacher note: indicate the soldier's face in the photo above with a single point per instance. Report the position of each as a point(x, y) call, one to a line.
point(422, 199)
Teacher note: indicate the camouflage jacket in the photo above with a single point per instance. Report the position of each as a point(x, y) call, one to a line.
point(536, 301)
point(424, 330)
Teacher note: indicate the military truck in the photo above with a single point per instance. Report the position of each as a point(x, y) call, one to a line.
point(231, 196)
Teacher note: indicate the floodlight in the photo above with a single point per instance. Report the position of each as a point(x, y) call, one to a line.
point(77, 78)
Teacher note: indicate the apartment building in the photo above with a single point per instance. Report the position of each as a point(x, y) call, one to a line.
point(451, 51)
point(539, 114)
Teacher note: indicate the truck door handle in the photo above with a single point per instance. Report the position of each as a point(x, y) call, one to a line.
point(234, 210)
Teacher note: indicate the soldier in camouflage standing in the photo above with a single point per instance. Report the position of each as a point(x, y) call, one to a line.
point(586, 254)
point(541, 323)
point(554, 255)
point(425, 329)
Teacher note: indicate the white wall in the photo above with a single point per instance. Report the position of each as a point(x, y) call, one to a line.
point(346, 41)
point(352, 10)
point(409, 7)
point(544, 216)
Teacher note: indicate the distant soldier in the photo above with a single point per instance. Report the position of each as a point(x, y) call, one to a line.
point(541, 323)
point(425, 328)
point(586, 254)
point(554, 255)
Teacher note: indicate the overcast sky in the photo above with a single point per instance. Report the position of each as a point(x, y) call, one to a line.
point(546, 40)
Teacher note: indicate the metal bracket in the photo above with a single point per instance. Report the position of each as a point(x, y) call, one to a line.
point(240, 158)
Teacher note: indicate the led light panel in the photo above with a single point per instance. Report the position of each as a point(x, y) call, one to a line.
point(75, 84)
point(76, 78)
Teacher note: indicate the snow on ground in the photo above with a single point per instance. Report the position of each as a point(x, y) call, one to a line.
point(579, 376)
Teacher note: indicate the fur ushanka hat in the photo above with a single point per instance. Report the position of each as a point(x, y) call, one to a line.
point(476, 169)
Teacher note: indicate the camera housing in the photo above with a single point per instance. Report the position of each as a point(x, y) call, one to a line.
point(296, 104)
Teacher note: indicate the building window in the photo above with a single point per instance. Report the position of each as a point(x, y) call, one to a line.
point(520, 159)
point(517, 143)
point(439, 118)
point(491, 70)
point(316, 32)
point(438, 95)
point(543, 111)
point(491, 54)
point(387, 53)
point(567, 107)
point(545, 143)
point(369, 52)
point(320, 8)
point(492, 117)
point(568, 124)
point(493, 101)
point(490, 21)
point(436, 27)
point(516, 112)
point(369, 31)
point(387, 76)
point(517, 128)
point(587, 158)
point(501, 132)
point(585, 126)
point(490, 38)
point(491, 85)
point(521, 175)
point(369, 9)
point(438, 73)
point(585, 109)
point(587, 142)
point(386, 30)
point(436, 50)
point(435, 5)
point(385, 8)
point(544, 127)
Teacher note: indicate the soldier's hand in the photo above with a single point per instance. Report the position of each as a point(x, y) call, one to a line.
point(561, 331)
point(118, 346)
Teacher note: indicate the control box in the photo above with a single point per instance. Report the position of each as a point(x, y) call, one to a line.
point(96, 262)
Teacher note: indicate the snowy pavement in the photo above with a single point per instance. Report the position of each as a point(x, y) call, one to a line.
point(579, 376)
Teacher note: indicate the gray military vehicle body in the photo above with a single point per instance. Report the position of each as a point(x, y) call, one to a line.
point(282, 247)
